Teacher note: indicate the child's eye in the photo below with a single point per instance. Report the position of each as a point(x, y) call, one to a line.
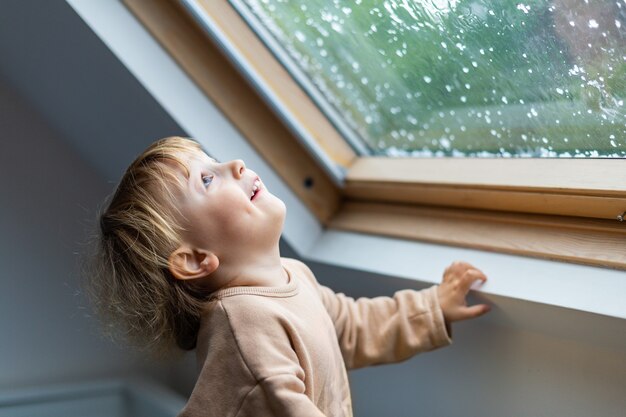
point(207, 179)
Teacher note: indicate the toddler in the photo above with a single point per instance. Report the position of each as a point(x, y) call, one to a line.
point(188, 256)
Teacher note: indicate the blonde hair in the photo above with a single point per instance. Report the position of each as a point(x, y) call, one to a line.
point(131, 285)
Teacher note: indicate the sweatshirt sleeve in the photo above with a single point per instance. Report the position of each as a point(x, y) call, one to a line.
point(386, 329)
point(279, 395)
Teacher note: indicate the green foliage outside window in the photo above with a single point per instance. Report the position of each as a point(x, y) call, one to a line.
point(466, 77)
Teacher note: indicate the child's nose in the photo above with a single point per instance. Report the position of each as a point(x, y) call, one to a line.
point(238, 167)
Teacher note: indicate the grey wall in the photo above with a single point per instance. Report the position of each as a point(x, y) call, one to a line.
point(48, 200)
point(55, 61)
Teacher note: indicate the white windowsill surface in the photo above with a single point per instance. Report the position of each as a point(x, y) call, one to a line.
point(584, 288)
point(581, 288)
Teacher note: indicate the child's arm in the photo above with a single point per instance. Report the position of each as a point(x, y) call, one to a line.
point(380, 330)
point(392, 329)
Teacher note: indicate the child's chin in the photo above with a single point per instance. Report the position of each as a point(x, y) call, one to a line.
point(281, 209)
point(276, 199)
point(283, 206)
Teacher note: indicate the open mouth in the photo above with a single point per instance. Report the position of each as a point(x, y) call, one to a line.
point(256, 189)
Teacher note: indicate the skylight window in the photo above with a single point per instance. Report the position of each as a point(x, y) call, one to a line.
point(569, 209)
point(459, 78)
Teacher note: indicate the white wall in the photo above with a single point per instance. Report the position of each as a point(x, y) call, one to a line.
point(48, 199)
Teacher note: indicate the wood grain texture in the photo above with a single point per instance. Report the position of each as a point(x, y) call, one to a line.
point(585, 241)
point(602, 177)
point(216, 76)
point(574, 187)
point(501, 200)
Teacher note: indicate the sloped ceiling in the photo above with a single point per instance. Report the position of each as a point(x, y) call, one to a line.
point(51, 58)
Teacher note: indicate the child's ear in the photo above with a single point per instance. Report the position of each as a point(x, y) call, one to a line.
point(188, 263)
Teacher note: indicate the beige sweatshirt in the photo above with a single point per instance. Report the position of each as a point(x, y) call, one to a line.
point(283, 351)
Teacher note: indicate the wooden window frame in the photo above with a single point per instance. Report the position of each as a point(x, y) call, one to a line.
point(533, 207)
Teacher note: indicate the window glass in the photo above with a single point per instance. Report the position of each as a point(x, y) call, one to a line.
point(538, 78)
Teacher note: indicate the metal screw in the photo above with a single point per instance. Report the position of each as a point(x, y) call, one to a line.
point(621, 217)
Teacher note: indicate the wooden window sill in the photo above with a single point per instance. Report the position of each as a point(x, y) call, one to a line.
point(586, 241)
point(594, 188)
point(561, 209)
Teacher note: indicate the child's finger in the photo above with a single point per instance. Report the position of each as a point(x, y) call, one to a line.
point(470, 276)
point(461, 266)
point(477, 310)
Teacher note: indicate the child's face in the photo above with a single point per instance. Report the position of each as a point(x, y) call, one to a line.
point(226, 208)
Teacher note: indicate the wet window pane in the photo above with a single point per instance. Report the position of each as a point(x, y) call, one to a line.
point(536, 78)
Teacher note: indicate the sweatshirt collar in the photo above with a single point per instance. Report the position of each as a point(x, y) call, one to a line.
point(287, 290)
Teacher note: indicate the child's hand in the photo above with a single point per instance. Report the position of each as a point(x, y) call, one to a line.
point(457, 279)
